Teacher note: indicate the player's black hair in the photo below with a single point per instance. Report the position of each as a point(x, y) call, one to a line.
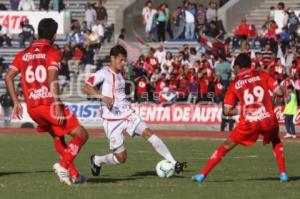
point(118, 50)
point(47, 28)
point(243, 60)
point(290, 87)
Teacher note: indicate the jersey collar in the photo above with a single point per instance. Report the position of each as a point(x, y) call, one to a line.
point(41, 42)
point(244, 71)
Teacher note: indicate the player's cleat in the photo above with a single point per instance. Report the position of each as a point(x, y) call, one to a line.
point(283, 177)
point(78, 179)
point(199, 178)
point(95, 169)
point(62, 173)
point(180, 166)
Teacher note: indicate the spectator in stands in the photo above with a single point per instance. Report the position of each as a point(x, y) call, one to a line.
point(7, 105)
point(211, 13)
point(101, 12)
point(214, 31)
point(290, 110)
point(151, 62)
point(161, 20)
point(148, 14)
point(26, 5)
point(193, 89)
point(14, 4)
point(293, 24)
point(178, 17)
point(26, 34)
point(200, 19)
point(160, 54)
point(190, 14)
point(98, 31)
point(122, 33)
point(90, 15)
point(280, 6)
point(267, 55)
point(2, 67)
point(57, 5)
point(243, 29)
point(142, 83)
point(5, 36)
point(44, 5)
point(223, 69)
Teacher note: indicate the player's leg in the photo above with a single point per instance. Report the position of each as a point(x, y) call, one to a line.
point(159, 146)
point(279, 155)
point(114, 133)
point(60, 147)
point(215, 158)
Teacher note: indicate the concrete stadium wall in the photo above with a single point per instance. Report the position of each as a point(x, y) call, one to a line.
point(232, 12)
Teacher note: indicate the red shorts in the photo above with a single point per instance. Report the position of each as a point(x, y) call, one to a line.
point(43, 116)
point(248, 137)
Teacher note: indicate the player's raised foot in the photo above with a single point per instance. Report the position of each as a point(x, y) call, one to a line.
point(95, 169)
point(283, 177)
point(199, 178)
point(62, 173)
point(180, 166)
point(78, 179)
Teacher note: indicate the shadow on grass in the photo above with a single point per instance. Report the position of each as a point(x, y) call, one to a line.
point(152, 173)
point(291, 178)
point(108, 180)
point(22, 172)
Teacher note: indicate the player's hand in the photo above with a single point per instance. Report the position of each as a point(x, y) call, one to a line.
point(108, 101)
point(59, 114)
point(18, 111)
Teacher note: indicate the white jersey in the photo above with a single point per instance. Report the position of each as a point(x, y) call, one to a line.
point(113, 86)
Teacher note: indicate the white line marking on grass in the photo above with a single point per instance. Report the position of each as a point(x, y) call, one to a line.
point(236, 157)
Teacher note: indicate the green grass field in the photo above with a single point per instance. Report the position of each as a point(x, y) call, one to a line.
point(26, 162)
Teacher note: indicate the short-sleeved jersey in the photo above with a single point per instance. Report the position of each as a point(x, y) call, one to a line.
point(252, 89)
point(113, 86)
point(33, 64)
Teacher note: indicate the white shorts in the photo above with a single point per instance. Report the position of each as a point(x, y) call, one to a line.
point(114, 130)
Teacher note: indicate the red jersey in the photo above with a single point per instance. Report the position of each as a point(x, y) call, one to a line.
point(251, 88)
point(33, 63)
point(141, 86)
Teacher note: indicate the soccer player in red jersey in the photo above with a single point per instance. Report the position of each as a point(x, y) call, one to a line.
point(251, 88)
point(39, 65)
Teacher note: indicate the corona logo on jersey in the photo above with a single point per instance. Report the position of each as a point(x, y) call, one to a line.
point(239, 84)
point(40, 93)
point(29, 56)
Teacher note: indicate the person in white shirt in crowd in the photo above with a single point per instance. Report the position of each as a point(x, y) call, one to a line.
point(98, 30)
point(190, 22)
point(26, 5)
point(90, 15)
point(147, 15)
point(166, 66)
point(5, 36)
point(160, 54)
point(211, 13)
point(118, 115)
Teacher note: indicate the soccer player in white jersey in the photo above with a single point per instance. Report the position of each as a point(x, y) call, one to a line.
point(118, 116)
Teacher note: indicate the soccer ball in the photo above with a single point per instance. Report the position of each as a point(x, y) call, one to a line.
point(164, 169)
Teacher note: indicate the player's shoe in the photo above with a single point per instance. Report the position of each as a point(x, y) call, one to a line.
point(199, 178)
point(180, 166)
point(283, 177)
point(288, 135)
point(62, 173)
point(95, 169)
point(78, 179)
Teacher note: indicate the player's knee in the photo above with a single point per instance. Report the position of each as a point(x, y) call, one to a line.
point(81, 132)
point(147, 133)
point(121, 157)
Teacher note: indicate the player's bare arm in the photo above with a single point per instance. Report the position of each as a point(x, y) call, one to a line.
point(230, 111)
point(54, 88)
point(91, 91)
point(279, 91)
point(10, 75)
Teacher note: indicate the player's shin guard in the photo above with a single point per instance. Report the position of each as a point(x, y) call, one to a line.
point(214, 160)
point(71, 151)
point(161, 148)
point(279, 155)
point(60, 147)
point(109, 159)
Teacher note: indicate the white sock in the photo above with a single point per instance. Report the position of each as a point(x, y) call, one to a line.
point(161, 148)
point(109, 159)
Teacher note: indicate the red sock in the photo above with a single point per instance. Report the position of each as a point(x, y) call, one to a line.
point(60, 147)
point(214, 160)
point(278, 153)
point(70, 153)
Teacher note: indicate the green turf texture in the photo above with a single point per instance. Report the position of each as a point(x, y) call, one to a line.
point(26, 171)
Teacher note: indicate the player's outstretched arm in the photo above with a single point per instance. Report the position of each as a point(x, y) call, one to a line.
point(9, 81)
point(279, 91)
